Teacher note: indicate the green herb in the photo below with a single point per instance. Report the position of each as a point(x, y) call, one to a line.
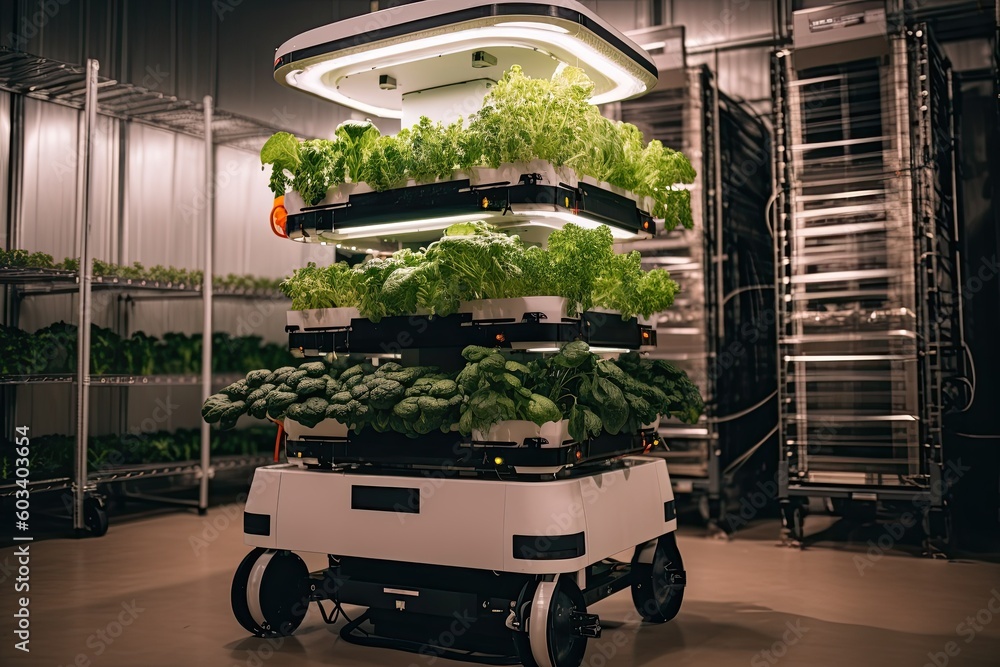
point(522, 119)
point(355, 140)
point(282, 151)
point(322, 166)
point(385, 165)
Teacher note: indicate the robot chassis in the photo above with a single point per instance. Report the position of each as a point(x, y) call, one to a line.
point(488, 552)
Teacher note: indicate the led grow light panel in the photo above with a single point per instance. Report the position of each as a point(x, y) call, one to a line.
point(371, 62)
point(534, 226)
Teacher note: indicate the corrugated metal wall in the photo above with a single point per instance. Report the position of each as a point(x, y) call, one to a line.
point(187, 48)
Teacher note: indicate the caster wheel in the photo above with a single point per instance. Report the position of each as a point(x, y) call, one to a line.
point(269, 593)
point(658, 587)
point(792, 524)
point(547, 609)
point(95, 517)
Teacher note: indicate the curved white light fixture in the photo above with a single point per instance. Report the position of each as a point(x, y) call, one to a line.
point(338, 61)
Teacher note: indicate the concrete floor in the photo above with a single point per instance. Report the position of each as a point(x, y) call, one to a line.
point(155, 591)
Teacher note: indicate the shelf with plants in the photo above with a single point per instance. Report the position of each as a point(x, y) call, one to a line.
point(38, 273)
point(160, 454)
point(48, 355)
point(26, 274)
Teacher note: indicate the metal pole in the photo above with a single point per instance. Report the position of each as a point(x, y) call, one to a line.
point(206, 295)
point(84, 315)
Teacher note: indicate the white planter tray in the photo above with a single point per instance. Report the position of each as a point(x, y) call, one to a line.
point(328, 428)
point(322, 318)
point(645, 321)
point(553, 308)
point(517, 431)
point(509, 172)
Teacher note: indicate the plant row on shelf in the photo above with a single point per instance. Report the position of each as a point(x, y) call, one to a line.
point(594, 394)
point(53, 350)
point(473, 261)
point(522, 119)
point(22, 259)
point(52, 455)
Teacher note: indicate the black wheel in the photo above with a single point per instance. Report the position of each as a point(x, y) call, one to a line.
point(792, 523)
point(241, 610)
point(94, 516)
point(269, 593)
point(659, 579)
point(546, 608)
point(522, 608)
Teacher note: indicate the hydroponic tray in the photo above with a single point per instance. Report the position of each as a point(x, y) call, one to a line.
point(415, 213)
point(452, 451)
point(393, 334)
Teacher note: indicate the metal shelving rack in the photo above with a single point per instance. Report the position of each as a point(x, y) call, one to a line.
point(721, 329)
point(870, 318)
point(81, 88)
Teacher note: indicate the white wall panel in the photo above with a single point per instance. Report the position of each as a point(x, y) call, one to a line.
point(5, 102)
point(623, 14)
point(48, 198)
point(717, 21)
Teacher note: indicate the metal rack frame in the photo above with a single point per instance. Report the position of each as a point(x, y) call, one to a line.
point(81, 88)
point(724, 267)
point(874, 249)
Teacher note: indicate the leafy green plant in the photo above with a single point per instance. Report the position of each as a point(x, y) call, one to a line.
point(282, 152)
point(355, 140)
point(579, 256)
point(680, 397)
point(624, 287)
point(473, 261)
point(22, 259)
point(521, 119)
point(560, 378)
point(385, 166)
point(433, 149)
point(497, 391)
point(323, 165)
point(312, 287)
point(596, 395)
point(412, 401)
point(480, 262)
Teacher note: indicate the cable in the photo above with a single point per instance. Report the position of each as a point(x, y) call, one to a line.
point(767, 212)
point(984, 436)
point(747, 454)
point(745, 288)
point(972, 384)
point(737, 415)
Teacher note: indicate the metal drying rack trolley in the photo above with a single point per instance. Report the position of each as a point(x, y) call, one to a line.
point(483, 551)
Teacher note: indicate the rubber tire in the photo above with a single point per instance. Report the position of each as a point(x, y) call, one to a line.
point(283, 587)
point(570, 653)
point(793, 523)
point(239, 593)
point(653, 602)
point(522, 644)
point(95, 517)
